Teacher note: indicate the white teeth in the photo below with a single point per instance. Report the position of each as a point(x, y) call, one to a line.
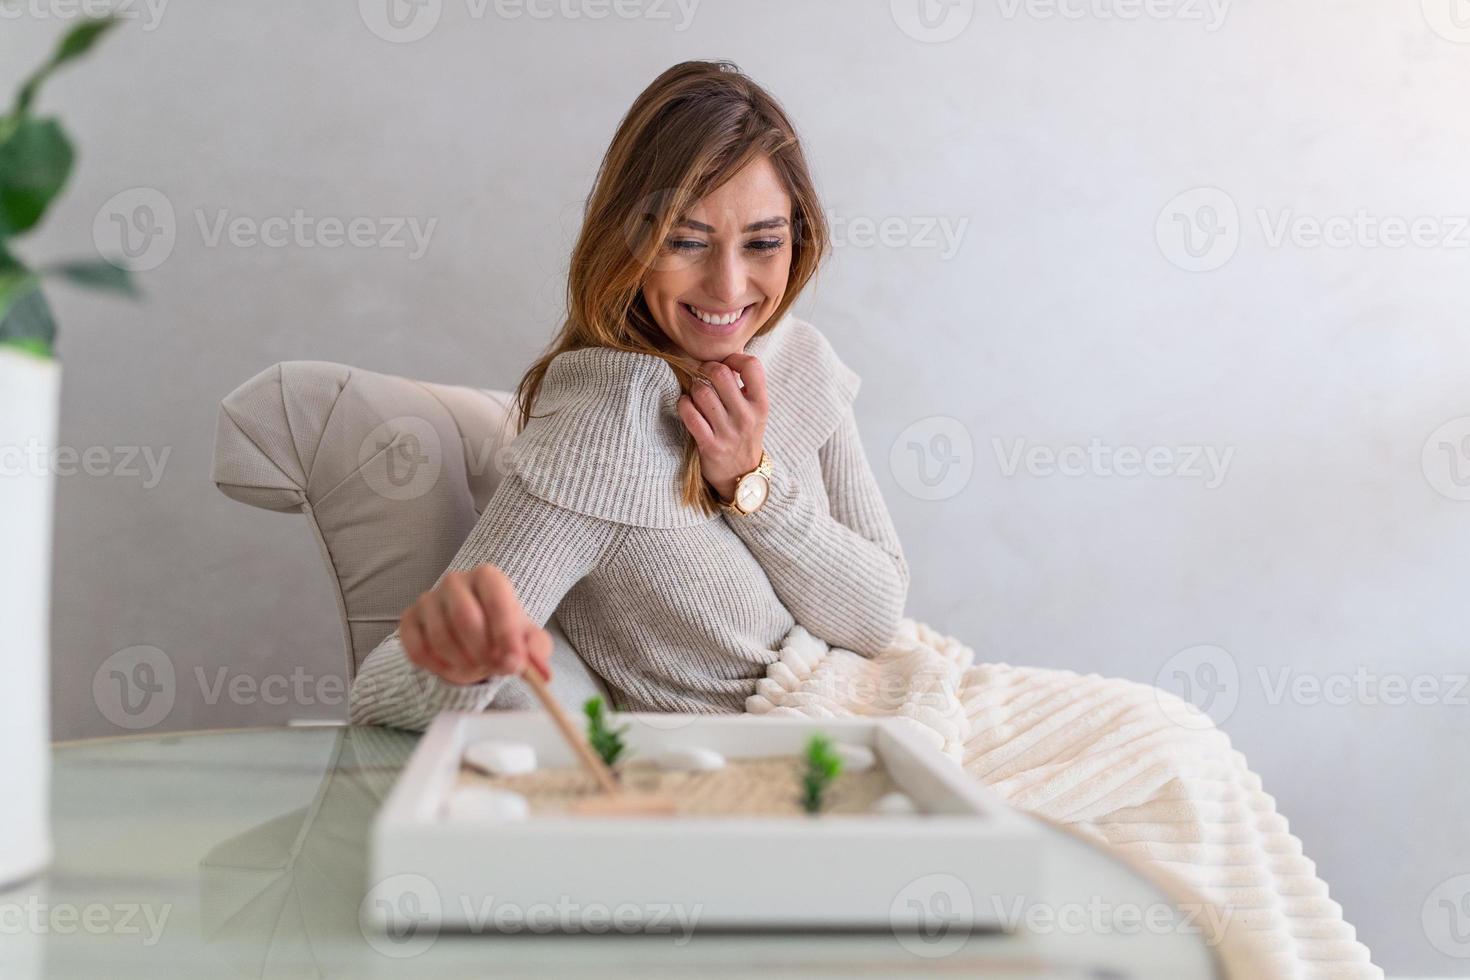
point(715, 321)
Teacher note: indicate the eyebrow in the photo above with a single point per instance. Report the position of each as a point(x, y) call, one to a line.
point(762, 225)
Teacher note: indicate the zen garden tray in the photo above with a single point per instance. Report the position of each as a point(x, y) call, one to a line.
point(898, 829)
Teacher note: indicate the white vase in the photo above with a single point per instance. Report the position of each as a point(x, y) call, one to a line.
point(29, 394)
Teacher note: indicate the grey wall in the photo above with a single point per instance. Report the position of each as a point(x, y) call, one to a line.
point(1068, 309)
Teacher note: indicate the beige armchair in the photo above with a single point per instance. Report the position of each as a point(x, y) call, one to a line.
point(391, 475)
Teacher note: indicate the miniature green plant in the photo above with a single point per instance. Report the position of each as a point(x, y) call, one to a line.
point(822, 766)
point(606, 741)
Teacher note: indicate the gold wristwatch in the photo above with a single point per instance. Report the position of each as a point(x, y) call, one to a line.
point(751, 489)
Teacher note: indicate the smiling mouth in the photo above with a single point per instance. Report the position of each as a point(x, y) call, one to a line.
point(715, 321)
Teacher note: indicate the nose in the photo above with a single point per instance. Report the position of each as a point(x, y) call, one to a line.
point(725, 277)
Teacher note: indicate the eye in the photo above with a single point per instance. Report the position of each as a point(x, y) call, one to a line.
point(683, 244)
point(765, 244)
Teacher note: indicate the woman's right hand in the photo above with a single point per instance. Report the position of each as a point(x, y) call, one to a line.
point(471, 627)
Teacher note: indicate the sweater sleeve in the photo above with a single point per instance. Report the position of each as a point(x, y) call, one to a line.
point(840, 570)
point(542, 548)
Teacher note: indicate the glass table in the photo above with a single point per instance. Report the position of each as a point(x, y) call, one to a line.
point(245, 853)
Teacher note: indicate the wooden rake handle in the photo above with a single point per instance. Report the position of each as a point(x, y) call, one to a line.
point(569, 730)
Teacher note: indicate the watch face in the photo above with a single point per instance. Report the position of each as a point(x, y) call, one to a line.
point(751, 492)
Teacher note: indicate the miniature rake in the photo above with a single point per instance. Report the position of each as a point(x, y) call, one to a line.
point(612, 800)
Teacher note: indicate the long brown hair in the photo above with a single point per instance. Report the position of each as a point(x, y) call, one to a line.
point(694, 128)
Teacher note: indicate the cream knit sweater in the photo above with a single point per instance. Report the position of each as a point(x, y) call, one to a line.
point(675, 610)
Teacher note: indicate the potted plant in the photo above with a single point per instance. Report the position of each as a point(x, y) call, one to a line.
point(35, 161)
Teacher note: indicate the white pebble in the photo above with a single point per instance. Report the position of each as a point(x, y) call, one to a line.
point(484, 803)
point(689, 760)
point(500, 758)
point(855, 758)
point(895, 805)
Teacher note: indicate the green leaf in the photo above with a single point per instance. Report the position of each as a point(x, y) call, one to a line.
point(28, 321)
point(75, 43)
point(28, 345)
point(592, 708)
point(14, 285)
point(823, 765)
point(15, 280)
point(34, 164)
point(99, 275)
point(605, 741)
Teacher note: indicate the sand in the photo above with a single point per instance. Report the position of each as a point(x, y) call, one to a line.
point(769, 787)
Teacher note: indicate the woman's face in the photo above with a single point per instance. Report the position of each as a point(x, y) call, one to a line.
point(723, 269)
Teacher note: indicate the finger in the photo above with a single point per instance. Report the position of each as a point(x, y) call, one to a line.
point(538, 650)
point(727, 386)
point(707, 400)
point(415, 646)
point(695, 422)
point(436, 632)
point(463, 613)
point(753, 373)
point(505, 646)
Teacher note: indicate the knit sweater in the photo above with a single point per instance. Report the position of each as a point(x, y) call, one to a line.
point(674, 609)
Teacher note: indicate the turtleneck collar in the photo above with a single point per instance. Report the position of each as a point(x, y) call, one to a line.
point(607, 440)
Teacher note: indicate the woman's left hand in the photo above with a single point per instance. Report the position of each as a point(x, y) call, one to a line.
point(728, 423)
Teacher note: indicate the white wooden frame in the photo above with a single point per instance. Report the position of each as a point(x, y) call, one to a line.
point(964, 855)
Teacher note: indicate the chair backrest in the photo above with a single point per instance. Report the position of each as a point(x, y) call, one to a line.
point(391, 475)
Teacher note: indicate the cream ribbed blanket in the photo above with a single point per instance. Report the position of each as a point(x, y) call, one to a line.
point(1130, 765)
